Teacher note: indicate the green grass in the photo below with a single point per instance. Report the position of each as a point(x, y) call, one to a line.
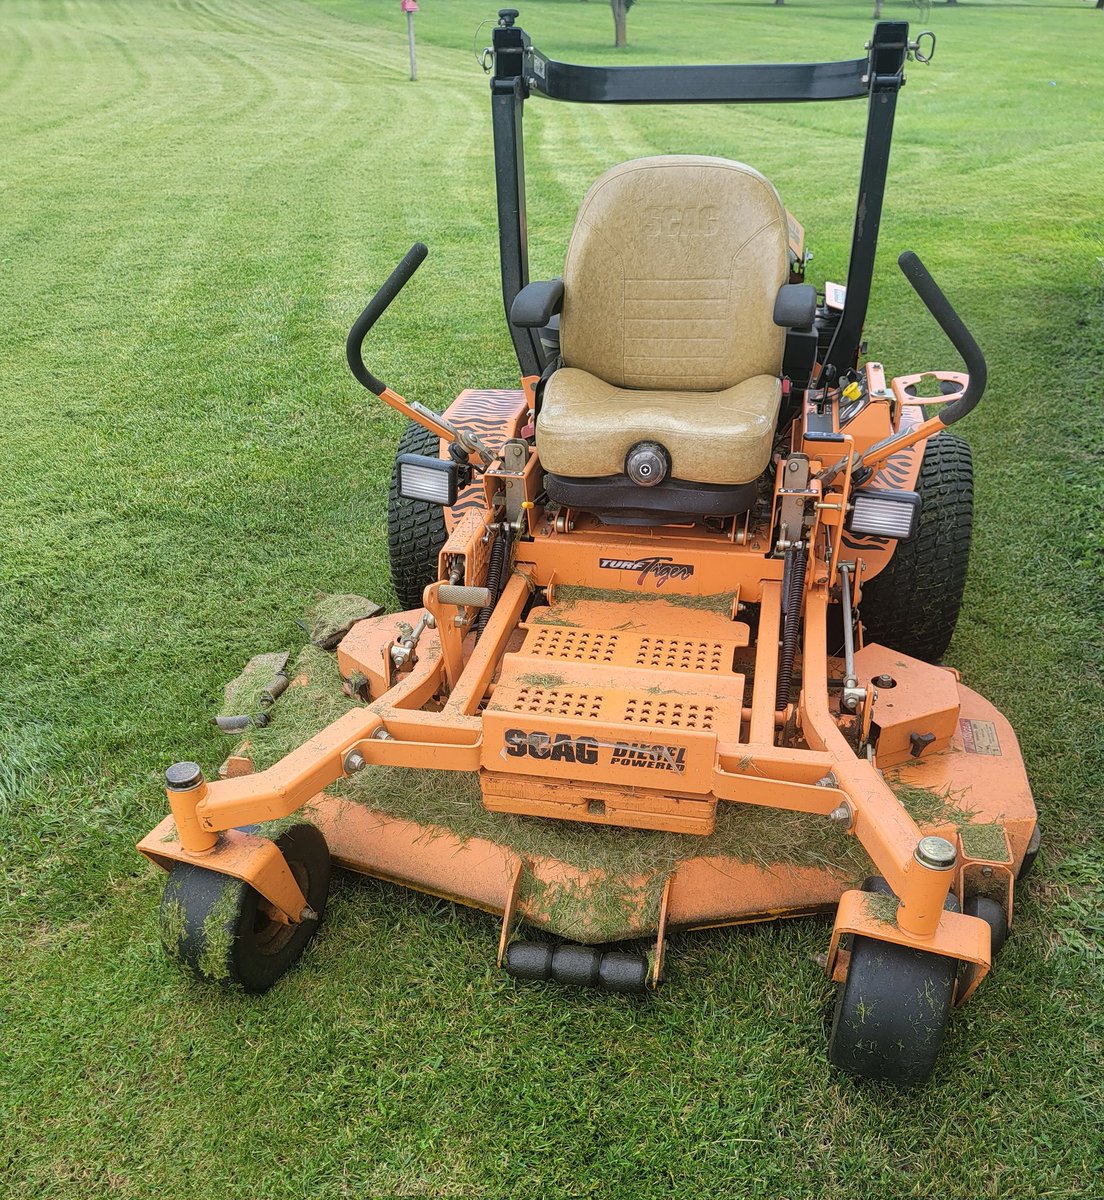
point(196, 196)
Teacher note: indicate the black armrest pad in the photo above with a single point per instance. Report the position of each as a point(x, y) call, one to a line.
point(534, 305)
point(795, 306)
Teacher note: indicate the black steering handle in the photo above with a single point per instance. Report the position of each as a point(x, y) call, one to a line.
point(952, 325)
point(396, 281)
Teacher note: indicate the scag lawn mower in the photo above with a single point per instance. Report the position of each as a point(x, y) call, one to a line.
point(676, 613)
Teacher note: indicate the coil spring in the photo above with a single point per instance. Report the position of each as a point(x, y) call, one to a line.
point(793, 587)
point(496, 568)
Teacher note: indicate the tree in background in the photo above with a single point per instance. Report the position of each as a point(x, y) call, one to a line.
point(620, 12)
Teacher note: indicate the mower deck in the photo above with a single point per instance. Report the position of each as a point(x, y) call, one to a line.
point(609, 669)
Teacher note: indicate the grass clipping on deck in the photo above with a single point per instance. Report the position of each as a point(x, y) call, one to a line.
point(453, 801)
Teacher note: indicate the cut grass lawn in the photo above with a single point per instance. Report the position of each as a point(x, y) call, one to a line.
point(196, 196)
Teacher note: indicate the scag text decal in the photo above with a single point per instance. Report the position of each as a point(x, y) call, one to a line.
point(563, 747)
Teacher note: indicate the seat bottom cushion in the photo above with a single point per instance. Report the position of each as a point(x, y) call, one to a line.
point(586, 427)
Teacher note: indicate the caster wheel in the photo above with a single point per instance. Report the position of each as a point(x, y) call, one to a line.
point(994, 916)
point(1030, 853)
point(219, 928)
point(892, 1009)
point(529, 960)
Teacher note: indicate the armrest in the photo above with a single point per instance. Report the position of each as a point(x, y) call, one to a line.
point(534, 305)
point(795, 305)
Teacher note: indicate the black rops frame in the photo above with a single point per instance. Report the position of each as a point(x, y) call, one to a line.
point(519, 70)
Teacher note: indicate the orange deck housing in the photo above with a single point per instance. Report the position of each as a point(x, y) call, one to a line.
point(641, 695)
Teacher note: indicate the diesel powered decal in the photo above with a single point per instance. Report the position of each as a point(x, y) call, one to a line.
point(562, 747)
point(661, 569)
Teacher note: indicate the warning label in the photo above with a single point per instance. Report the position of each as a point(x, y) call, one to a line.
point(979, 737)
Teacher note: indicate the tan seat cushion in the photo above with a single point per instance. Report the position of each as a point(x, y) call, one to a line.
point(667, 331)
point(671, 275)
point(587, 426)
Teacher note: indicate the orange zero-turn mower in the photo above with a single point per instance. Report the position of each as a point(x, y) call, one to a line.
point(676, 613)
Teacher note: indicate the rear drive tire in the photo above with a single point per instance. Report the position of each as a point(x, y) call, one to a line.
point(415, 529)
point(912, 605)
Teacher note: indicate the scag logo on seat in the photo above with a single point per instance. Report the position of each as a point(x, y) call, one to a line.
point(563, 747)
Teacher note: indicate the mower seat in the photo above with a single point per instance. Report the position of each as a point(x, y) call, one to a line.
point(668, 337)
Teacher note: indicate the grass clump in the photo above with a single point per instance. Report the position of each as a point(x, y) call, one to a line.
point(331, 617)
point(604, 909)
point(567, 596)
point(248, 693)
point(984, 841)
point(173, 925)
point(928, 807)
point(882, 908)
point(219, 932)
point(542, 681)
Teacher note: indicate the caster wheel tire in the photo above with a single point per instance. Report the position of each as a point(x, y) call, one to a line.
point(891, 1012)
point(993, 915)
point(529, 960)
point(220, 929)
point(892, 1009)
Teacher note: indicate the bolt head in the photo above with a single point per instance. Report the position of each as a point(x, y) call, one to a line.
point(354, 761)
point(936, 853)
point(183, 776)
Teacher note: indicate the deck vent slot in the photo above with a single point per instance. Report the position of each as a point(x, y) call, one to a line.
point(548, 703)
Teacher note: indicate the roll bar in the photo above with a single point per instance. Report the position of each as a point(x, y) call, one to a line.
point(519, 70)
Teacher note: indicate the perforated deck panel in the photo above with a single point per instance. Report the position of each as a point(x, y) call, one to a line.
point(617, 663)
point(673, 654)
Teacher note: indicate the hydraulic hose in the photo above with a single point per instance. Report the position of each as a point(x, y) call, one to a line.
point(375, 308)
point(951, 324)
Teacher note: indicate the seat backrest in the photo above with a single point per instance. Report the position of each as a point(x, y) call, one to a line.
point(671, 276)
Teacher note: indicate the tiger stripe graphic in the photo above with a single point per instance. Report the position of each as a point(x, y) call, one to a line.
point(495, 414)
